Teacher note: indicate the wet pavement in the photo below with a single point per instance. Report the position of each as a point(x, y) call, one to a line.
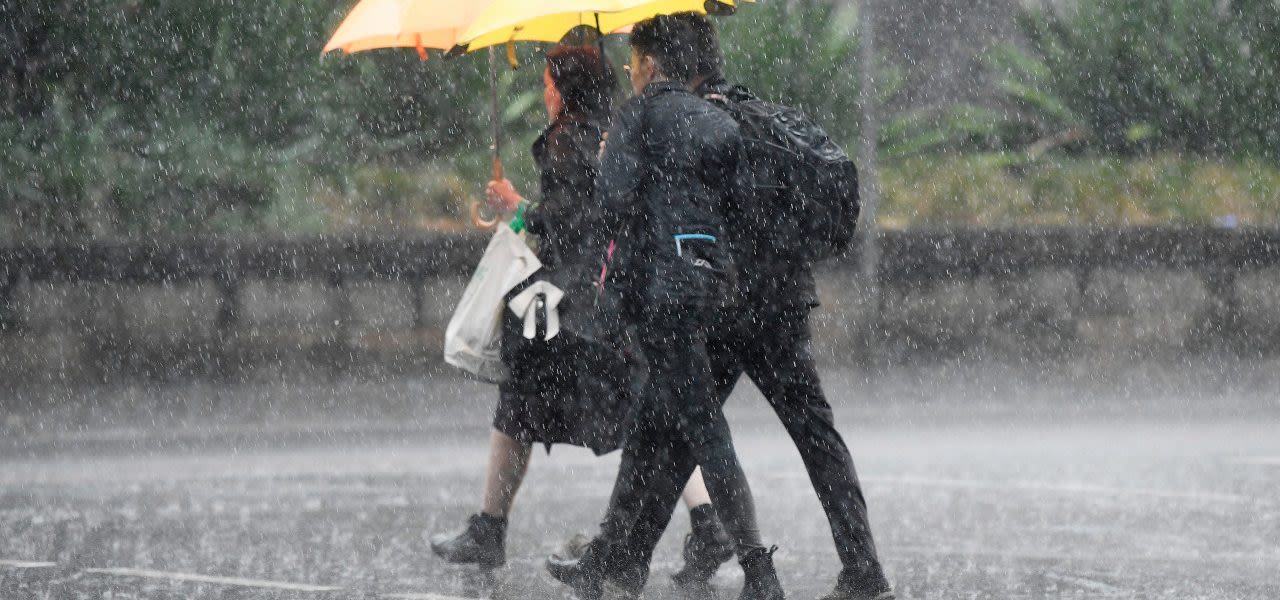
point(978, 488)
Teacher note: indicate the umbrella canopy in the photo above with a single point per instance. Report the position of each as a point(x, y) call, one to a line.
point(420, 24)
point(505, 21)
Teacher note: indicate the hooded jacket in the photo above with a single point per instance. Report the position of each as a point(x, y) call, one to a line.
point(666, 184)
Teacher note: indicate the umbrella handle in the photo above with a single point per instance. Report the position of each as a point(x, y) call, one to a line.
point(480, 221)
point(476, 218)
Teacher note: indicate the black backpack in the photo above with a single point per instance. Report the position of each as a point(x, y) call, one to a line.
point(798, 189)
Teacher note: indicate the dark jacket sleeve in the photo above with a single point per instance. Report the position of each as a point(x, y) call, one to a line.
point(622, 166)
point(567, 183)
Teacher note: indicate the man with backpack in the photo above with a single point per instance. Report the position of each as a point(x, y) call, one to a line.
point(661, 191)
point(796, 202)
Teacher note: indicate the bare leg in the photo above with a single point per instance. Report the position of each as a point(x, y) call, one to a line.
point(695, 492)
point(484, 540)
point(508, 462)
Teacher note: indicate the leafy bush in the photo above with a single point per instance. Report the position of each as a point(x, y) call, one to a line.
point(1127, 75)
point(148, 116)
point(145, 117)
point(805, 54)
point(979, 189)
point(59, 176)
point(800, 53)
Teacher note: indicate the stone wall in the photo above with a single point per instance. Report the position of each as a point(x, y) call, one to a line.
point(1118, 315)
point(941, 296)
point(98, 332)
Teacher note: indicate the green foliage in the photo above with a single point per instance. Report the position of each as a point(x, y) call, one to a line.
point(1181, 75)
point(59, 175)
point(982, 189)
point(145, 116)
point(935, 130)
point(805, 54)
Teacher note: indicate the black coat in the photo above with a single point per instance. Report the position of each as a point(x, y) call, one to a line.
point(768, 282)
point(567, 213)
point(567, 218)
point(567, 390)
point(665, 184)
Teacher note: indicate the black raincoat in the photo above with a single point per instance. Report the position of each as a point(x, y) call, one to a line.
point(566, 218)
point(567, 389)
point(664, 193)
point(667, 181)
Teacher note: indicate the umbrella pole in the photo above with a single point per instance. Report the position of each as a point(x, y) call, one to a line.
point(476, 217)
point(495, 117)
point(600, 38)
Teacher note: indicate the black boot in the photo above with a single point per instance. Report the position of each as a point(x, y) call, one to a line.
point(573, 547)
point(705, 548)
point(483, 542)
point(853, 586)
point(761, 579)
point(604, 571)
point(585, 575)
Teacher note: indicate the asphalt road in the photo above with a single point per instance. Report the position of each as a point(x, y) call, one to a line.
point(978, 488)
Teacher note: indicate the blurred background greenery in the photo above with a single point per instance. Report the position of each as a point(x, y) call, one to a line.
point(134, 118)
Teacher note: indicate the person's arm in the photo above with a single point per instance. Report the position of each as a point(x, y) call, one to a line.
point(622, 165)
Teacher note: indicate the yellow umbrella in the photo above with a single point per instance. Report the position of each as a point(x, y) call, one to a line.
point(508, 21)
point(505, 21)
point(420, 24)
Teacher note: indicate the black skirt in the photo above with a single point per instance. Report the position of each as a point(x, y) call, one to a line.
point(566, 390)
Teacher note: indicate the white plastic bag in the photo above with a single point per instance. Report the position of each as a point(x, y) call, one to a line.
point(472, 342)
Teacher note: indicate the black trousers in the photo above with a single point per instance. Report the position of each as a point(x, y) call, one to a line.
point(678, 424)
point(776, 354)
